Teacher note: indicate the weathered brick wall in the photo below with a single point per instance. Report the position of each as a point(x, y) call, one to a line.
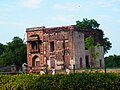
point(31, 55)
point(79, 49)
point(68, 46)
point(62, 45)
point(100, 50)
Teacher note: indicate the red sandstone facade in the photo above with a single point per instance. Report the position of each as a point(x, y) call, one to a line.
point(61, 47)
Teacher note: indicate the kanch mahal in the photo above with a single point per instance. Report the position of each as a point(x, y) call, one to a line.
point(61, 47)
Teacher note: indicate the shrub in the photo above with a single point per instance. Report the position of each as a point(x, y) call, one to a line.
point(78, 81)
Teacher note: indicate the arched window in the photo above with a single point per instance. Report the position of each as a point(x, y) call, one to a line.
point(35, 61)
point(35, 43)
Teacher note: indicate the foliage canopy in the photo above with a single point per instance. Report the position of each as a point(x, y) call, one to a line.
point(14, 52)
point(93, 24)
point(113, 61)
point(89, 44)
point(88, 24)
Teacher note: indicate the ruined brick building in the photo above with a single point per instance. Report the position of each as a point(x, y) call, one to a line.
point(61, 47)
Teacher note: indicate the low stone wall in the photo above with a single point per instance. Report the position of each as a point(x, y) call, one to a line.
point(10, 73)
point(11, 68)
point(107, 71)
point(88, 70)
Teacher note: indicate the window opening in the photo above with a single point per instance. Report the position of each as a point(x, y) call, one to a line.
point(87, 61)
point(34, 45)
point(52, 46)
point(100, 63)
point(81, 62)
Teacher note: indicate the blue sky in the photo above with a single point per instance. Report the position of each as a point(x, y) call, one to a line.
point(17, 15)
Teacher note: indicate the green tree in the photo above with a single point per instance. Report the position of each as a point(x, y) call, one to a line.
point(112, 61)
point(93, 24)
point(89, 44)
point(88, 24)
point(15, 52)
point(107, 45)
point(2, 48)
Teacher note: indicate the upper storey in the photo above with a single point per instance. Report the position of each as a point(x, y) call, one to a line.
point(97, 34)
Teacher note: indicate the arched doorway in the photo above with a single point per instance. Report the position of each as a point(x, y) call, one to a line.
point(80, 62)
point(35, 61)
point(87, 61)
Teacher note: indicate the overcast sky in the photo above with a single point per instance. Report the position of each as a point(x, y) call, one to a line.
point(17, 15)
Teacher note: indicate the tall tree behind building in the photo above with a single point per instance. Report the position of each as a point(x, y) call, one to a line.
point(93, 24)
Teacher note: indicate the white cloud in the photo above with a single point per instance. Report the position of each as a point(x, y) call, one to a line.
point(87, 4)
point(66, 6)
point(61, 18)
point(102, 3)
point(12, 23)
point(109, 18)
point(31, 3)
point(105, 17)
